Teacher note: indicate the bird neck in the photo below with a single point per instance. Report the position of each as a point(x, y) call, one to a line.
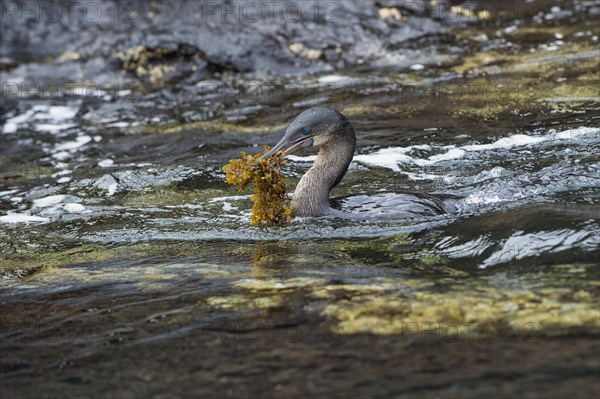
point(311, 197)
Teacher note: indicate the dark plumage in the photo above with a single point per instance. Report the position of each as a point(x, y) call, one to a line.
point(332, 132)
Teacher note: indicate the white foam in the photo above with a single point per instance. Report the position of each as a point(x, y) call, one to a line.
point(118, 124)
point(108, 183)
point(296, 158)
point(53, 200)
point(392, 157)
point(232, 198)
point(5, 193)
point(74, 208)
point(72, 145)
point(62, 155)
point(61, 113)
point(576, 133)
point(482, 199)
point(228, 207)
point(53, 128)
point(11, 125)
point(105, 163)
point(521, 245)
point(493, 173)
point(516, 140)
point(111, 189)
point(53, 211)
point(55, 115)
point(428, 176)
point(21, 218)
point(332, 79)
point(391, 161)
point(454, 153)
point(49, 201)
point(339, 81)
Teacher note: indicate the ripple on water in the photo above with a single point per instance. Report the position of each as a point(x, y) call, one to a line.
point(140, 204)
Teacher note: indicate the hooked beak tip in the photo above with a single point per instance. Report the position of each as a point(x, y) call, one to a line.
point(267, 154)
point(274, 150)
point(296, 145)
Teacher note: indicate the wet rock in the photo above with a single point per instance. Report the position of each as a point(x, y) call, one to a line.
point(106, 41)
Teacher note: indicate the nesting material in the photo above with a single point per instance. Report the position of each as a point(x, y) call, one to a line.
point(270, 191)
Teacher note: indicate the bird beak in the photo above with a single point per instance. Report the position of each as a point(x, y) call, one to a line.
point(291, 143)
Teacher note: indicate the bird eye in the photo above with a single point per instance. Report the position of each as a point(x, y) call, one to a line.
point(305, 130)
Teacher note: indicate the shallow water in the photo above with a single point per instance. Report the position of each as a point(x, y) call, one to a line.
point(119, 232)
point(547, 171)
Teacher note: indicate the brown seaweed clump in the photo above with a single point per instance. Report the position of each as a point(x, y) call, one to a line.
point(269, 186)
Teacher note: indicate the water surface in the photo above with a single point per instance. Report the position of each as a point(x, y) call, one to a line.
point(121, 240)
